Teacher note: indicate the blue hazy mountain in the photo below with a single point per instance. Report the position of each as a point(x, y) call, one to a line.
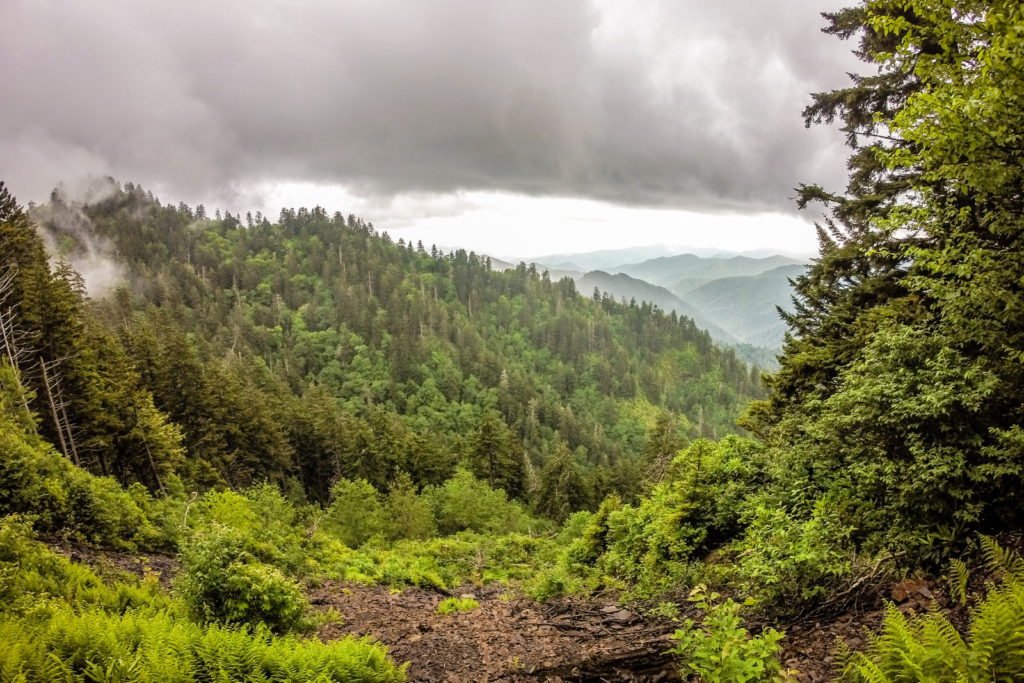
point(745, 306)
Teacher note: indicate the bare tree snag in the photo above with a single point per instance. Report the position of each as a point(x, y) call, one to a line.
point(53, 410)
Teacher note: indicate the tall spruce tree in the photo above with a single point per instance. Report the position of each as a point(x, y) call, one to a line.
point(899, 397)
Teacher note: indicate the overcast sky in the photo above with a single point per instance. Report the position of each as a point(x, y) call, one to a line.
point(510, 126)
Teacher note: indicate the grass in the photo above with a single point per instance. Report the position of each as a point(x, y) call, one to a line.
point(457, 605)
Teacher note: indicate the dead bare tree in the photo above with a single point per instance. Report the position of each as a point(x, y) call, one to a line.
point(145, 442)
point(13, 338)
point(54, 394)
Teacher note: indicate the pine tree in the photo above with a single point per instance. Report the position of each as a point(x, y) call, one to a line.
point(562, 489)
point(862, 263)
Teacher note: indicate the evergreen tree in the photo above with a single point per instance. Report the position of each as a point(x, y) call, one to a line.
point(562, 489)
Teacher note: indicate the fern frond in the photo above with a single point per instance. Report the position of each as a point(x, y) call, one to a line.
point(1001, 560)
point(959, 576)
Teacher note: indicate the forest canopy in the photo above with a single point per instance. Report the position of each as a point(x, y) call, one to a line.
point(314, 348)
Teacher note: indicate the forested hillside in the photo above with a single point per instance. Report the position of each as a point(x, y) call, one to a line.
point(305, 414)
point(313, 348)
point(623, 287)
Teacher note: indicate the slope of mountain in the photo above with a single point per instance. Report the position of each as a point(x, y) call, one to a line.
point(745, 306)
point(317, 348)
point(686, 272)
point(621, 286)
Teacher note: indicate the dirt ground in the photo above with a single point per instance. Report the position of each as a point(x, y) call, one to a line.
point(512, 639)
point(107, 563)
point(518, 640)
point(503, 639)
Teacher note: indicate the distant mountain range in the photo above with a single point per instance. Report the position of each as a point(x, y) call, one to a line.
point(745, 306)
point(732, 296)
point(607, 259)
point(684, 273)
point(621, 286)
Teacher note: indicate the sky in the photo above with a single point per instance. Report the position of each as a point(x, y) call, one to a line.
point(512, 127)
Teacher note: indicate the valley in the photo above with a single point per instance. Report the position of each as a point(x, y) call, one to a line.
point(734, 298)
point(245, 438)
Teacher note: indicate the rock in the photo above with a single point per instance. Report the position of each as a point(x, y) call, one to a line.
point(903, 590)
point(468, 596)
point(620, 616)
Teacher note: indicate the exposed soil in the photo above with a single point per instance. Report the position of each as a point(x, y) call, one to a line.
point(512, 639)
point(108, 562)
point(503, 640)
point(577, 640)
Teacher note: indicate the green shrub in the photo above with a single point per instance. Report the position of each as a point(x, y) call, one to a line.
point(575, 526)
point(60, 622)
point(457, 605)
point(929, 648)
point(355, 514)
point(719, 650)
point(33, 578)
point(36, 480)
point(445, 562)
point(408, 515)
point(783, 561)
point(556, 581)
point(464, 503)
point(656, 545)
point(225, 583)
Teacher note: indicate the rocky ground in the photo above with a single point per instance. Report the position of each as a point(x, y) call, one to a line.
point(510, 639)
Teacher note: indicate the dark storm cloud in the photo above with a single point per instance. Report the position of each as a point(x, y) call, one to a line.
point(682, 103)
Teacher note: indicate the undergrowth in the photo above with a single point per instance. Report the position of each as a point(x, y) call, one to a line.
point(720, 650)
point(929, 648)
point(60, 622)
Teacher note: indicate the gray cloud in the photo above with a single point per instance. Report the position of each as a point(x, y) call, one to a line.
point(681, 103)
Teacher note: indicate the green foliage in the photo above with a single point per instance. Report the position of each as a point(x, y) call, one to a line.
point(60, 622)
point(497, 456)
point(929, 648)
point(224, 583)
point(900, 391)
point(35, 479)
point(316, 348)
point(785, 562)
point(562, 489)
point(355, 514)
point(450, 605)
point(408, 514)
point(150, 646)
point(720, 650)
point(465, 503)
point(35, 580)
point(658, 543)
point(447, 562)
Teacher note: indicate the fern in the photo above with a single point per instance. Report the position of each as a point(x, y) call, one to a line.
point(959, 576)
point(929, 649)
point(59, 623)
point(999, 560)
point(154, 646)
